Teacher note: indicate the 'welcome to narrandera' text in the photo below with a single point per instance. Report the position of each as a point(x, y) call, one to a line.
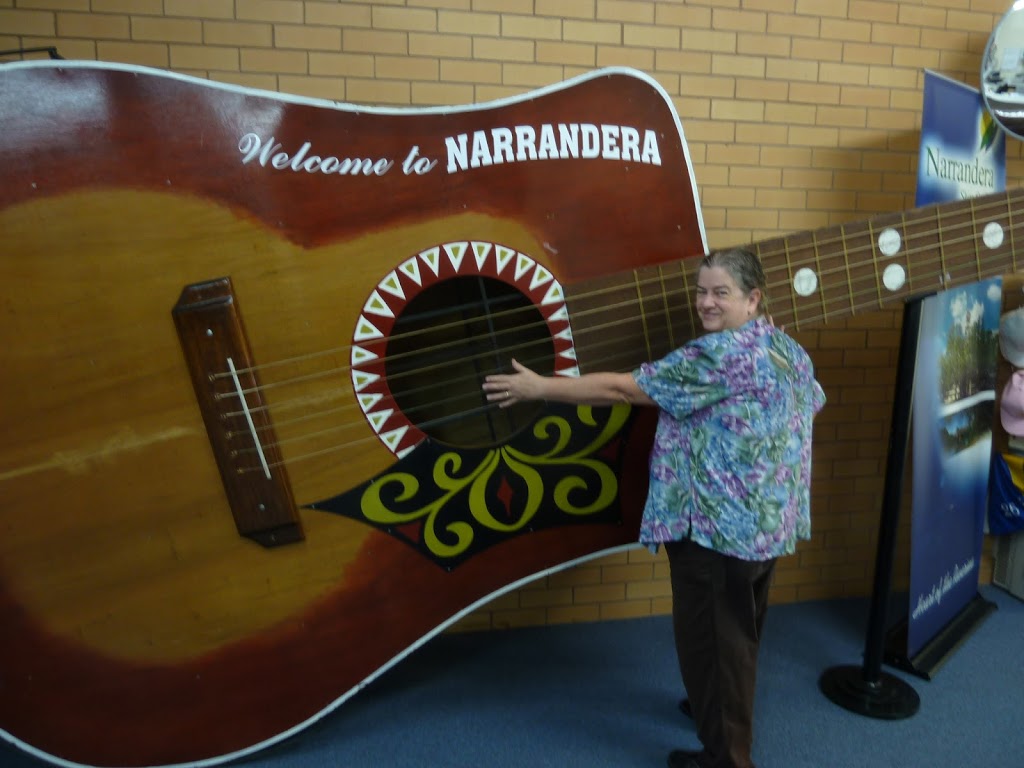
point(467, 151)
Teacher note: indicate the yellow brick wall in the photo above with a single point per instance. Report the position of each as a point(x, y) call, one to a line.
point(798, 114)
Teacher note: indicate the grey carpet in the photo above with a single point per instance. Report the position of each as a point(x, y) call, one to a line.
point(605, 695)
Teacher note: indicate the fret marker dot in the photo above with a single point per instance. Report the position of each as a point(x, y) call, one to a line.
point(889, 242)
point(805, 281)
point(894, 277)
point(992, 235)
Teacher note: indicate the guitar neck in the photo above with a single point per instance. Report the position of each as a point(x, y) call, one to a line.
point(814, 277)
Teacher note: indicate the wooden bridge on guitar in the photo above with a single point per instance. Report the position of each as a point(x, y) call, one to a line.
point(247, 466)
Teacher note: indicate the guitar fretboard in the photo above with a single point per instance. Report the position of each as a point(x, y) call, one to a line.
point(814, 277)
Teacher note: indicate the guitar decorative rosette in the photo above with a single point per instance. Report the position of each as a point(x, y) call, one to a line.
point(562, 470)
point(435, 269)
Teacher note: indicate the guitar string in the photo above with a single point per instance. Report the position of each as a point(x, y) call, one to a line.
point(580, 316)
point(971, 266)
point(473, 394)
point(976, 265)
point(349, 444)
point(783, 313)
point(809, 262)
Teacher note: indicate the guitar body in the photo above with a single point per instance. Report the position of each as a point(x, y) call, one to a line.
point(150, 615)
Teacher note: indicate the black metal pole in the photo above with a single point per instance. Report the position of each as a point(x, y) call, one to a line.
point(866, 689)
point(50, 50)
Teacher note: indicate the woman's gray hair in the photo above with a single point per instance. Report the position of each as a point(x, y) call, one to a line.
point(744, 267)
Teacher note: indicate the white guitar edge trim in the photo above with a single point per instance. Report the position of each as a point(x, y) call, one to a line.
point(296, 729)
point(356, 109)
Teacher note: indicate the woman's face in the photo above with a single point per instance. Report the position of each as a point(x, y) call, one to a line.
point(721, 303)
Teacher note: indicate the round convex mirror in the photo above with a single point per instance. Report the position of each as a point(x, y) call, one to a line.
point(1002, 71)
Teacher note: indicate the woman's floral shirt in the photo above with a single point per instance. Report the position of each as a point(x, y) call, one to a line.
point(731, 461)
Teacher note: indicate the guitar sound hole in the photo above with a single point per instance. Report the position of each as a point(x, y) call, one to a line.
point(446, 340)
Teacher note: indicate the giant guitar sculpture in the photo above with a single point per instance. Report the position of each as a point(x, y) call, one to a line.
point(247, 465)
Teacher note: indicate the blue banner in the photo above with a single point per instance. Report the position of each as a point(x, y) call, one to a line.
point(963, 150)
point(963, 154)
point(954, 399)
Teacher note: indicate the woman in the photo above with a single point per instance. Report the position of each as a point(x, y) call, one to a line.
point(729, 484)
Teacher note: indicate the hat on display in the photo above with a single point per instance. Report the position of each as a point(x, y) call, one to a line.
point(1011, 337)
point(1011, 407)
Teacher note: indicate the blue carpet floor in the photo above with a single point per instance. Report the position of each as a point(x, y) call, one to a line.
point(604, 695)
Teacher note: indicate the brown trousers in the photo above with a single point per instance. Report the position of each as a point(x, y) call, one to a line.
point(719, 605)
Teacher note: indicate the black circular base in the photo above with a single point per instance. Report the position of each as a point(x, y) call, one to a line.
point(886, 698)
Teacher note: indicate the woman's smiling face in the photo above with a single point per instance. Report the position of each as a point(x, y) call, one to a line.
point(721, 303)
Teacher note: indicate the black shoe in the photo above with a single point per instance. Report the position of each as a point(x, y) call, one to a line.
point(685, 708)
point(683, 758)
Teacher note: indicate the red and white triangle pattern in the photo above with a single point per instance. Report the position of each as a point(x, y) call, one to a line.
point(417, 273)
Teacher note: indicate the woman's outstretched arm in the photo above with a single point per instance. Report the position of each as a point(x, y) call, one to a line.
point(604, 388)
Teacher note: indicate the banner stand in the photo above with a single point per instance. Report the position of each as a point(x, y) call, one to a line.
point(866, 689)
point(934, 653)
point(955, 123)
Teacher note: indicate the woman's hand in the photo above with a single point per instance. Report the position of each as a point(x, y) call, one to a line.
point(507, 389)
